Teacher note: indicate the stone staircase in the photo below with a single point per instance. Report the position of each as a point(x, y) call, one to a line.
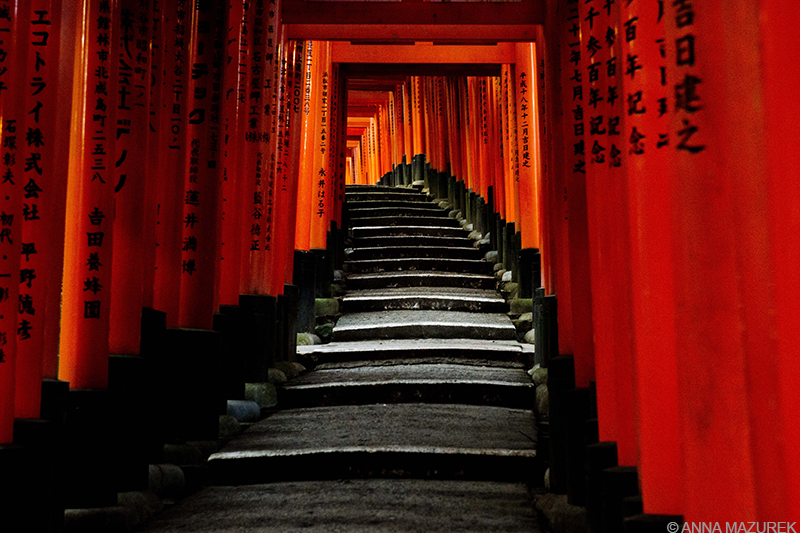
point(416, 417)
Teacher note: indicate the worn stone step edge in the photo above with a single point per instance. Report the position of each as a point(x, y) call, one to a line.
point(403, 220)
point(419, 278)
point(259, 466)
point(404, 231)
point(492, 393)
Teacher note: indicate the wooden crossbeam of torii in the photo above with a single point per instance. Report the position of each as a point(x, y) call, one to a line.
point(406, 21)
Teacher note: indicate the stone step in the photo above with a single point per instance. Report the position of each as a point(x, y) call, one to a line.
point(389, 202)
point(409, 230)
point(403, 252)
point(432, 298)
point(423, 324)
point(379, 188)
point(438, 221)
point(474, 266)
point(431, 211)
point(441, 441)
point(419, 278)
point(405, 195)
point(427, 350)
point(409, 381)
point(412, 240)
point(355, 506)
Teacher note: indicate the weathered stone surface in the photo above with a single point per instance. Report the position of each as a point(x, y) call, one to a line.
point(410, 229)
point(423, 324)
point(507, 276)
point(524, 322)
point(419, 278)
point(324, 331)
point(276, 377)
point(167, 481)
point(431, 298)
point(307, 339)
point(229, 427)
point(543, 401)
point(538, 375)
point(476, 266)
point(468, 349)
point(519, 306)
point(491, 256)
point(476, 384)
point(326, 306)
point(351, 506)
point(561, 516)
point(530, 337)
point(407, 439)
point(264, 394)
point(287, 368)
point(244, 411)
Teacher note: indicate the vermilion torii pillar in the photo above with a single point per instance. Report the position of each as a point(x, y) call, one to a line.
point(258, 148)
point(12, 80)
point(305, 168)
point(781, 81)
point(321, 177)
point(574, 98)
point(38, 217)
point(606, 194)
point(131, 152)
point(90, 208)
point(204, 156)
point(172, 162)
point(527, 138)
point(646, 143)
point(732, 96)
point(233, 113)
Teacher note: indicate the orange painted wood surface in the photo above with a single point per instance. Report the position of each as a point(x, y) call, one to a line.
point(13, 74)
point(234, 98)
point(90, 207)
point(201, 202)
point(574, 157)
point(172, 161)
point(131, 150)
point(41, 254)
point(527, 137)
point(306, 177)
point(781, 80)
point(646, 120)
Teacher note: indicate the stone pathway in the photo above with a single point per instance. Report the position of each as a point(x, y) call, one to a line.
point(417, 417)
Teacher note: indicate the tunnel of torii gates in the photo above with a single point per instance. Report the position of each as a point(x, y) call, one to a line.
point(180, 157)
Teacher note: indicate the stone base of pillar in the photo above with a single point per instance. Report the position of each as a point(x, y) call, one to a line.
point(91, 448)
point(129, 379)
point(39, 492)
point(599, 457)
point(231, 330)
point(618, 482)
point(191, 378)
point(304, 277)
point(259, 334)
